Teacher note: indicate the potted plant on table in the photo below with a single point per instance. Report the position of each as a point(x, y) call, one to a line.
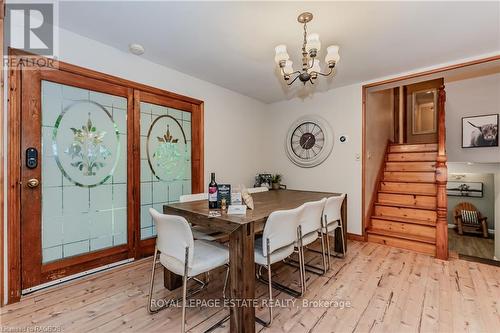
point(276, 181)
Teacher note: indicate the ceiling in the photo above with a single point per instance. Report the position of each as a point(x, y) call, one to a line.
point(232, 44)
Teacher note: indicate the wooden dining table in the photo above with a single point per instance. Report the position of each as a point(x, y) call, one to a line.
point(242, 230)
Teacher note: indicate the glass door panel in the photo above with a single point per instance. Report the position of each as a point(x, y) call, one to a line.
point(165, 166)
point(84, 171)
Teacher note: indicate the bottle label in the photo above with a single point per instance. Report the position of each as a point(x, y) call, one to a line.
point(212, 193)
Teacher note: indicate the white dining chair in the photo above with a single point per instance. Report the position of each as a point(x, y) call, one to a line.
point(260, 189)
point(310, 230)
point(276, 244)
point(198, 231)
point(182, 255)
point(332, 220)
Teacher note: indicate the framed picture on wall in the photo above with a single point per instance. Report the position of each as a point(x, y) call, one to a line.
point(480, 131)
point(465, 189)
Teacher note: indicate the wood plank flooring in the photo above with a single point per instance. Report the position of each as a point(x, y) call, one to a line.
point(384, 289)
point(471, 245)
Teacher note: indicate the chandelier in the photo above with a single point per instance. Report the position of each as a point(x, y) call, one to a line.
point(310, 64)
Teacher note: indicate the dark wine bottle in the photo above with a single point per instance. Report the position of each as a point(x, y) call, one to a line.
point(212, 193)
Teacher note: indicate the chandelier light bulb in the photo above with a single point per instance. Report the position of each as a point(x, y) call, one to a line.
point(288, 69)
point(332, 55)
point(315, 66)
point(281, 54)
point(313, 43)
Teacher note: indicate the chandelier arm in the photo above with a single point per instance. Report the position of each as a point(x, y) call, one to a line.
point(283, 72)
point(325, 74)
point(293, 80)
point(310, 80)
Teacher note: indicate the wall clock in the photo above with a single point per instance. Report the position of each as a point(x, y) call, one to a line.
point(309, 141)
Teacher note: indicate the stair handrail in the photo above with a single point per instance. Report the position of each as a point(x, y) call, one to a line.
point(441, 180)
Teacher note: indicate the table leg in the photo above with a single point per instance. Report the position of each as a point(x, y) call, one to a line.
point(338, 238)
point(171, 280)
point(242, 277)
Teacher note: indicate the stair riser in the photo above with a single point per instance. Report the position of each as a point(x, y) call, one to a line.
point(413, 148)
point(408, 200)
point(407, 228)
point(404, 244)
point(408, 188)
point(418, 177)
point(418, 157)
point(410, 166)
point(418, 214)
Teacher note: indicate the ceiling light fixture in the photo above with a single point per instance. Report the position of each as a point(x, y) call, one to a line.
point(136, 49)
point(310, 65)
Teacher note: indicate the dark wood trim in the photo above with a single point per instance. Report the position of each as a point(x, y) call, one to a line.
point(13, 183)
point(396, 114)
point(108, 78)
point(2, 181)
point(354, 237)
point(393, 80)
point(432, 71)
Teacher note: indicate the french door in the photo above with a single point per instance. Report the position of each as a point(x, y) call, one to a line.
point(95, 156)
point(75, 187)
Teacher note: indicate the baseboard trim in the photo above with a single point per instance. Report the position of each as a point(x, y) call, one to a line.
point(453, 226)
point(355, 237)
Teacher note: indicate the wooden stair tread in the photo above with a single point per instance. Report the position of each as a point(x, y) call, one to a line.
point(401, 235)
point(406, 182)
point(427, 194)
point(403, 220)
point(398, 205)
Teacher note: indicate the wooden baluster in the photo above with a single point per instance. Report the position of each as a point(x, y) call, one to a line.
point(441, 180)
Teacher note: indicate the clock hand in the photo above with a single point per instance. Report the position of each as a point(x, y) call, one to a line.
point(305, 143)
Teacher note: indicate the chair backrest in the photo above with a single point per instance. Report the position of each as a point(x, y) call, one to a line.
point(464, 206)
point(193, 197)
point(173, 236)
point(332, 211)
point(257, 189)
point(311, 217)
point(281, 229)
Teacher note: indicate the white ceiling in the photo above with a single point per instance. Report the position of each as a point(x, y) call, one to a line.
point(232, 43)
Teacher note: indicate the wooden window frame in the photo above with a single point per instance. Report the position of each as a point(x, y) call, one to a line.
point(14, 153)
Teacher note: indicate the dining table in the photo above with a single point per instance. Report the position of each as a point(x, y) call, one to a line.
point(242, 230)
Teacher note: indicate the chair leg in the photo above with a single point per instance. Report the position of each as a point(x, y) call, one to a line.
point(270, 289)
point(151, 284)
point(485, 229)
point(184, 291)
point(225, 283)
point(301, 263)
point(323, 250)
point(327, 234)
point(342, 236)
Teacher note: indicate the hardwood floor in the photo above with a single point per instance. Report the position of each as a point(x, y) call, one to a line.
point(386, 290)
point(471, 245)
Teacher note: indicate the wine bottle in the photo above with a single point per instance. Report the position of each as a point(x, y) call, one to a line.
point(212, 193)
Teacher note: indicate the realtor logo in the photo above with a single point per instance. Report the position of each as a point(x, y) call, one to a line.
point(30, 27)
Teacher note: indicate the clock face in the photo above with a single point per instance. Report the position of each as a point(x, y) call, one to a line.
point(309, 141)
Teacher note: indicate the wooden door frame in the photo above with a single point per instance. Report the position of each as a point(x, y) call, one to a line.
point(14, 163)
point(364, 93)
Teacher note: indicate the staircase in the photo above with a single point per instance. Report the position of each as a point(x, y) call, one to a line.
point(404, 213)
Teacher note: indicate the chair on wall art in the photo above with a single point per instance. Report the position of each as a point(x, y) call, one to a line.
point(469, 219)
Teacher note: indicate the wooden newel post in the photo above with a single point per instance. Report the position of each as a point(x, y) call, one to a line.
point(441, 180)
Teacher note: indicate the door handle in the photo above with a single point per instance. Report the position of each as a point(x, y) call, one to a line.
point(33, 182)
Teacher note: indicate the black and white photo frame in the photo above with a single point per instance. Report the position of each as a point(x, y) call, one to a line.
point(480, 131)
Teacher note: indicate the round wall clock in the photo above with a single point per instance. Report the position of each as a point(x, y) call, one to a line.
point(309, 141)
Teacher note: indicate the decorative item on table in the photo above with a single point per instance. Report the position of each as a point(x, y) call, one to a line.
point(236, 198)
point(480, 131)
point(237, 210)
point(276, 181)
point(247, 198)
point(212, 193)
point(223, 193)
point(263, 179)
point(214, 213)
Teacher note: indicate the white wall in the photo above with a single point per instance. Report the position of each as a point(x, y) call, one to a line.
point(379, 115)
point(341, 172)
point(470, 97)
point(231, 119)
